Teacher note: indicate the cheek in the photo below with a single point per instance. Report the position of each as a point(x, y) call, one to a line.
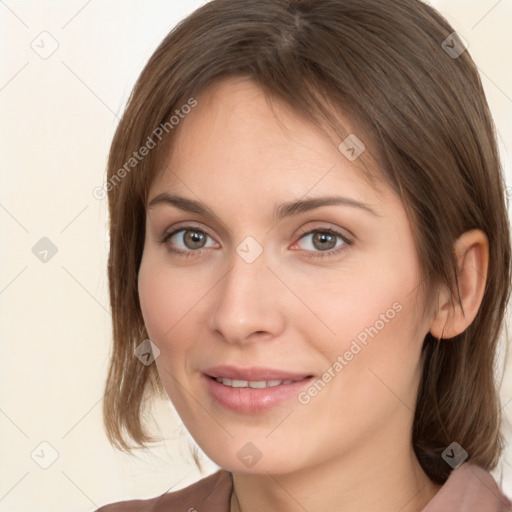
point(173, 303)
point(150, 298)
point(379, 357)
point(378, 322)
point(378, 303)
point(158, 296)
point(163, 307)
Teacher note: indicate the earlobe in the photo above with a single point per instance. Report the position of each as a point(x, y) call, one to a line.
point(454, 316)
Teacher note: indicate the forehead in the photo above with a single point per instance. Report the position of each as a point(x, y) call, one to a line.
point(237, 140)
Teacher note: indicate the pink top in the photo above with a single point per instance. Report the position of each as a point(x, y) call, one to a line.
point(469, 488)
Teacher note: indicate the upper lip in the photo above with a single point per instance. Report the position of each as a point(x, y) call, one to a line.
point(252, 373)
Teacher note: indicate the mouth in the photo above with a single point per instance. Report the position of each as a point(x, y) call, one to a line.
point(253, 390)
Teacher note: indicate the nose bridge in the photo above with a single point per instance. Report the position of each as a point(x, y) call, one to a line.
point(247, 300)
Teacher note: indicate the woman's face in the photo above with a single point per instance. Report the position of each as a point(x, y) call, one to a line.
point(266, 289)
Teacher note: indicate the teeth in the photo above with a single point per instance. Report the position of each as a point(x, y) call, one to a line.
point(255, 384)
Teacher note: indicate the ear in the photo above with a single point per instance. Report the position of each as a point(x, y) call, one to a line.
point(472, 255)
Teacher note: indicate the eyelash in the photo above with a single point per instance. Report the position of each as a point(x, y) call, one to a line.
point(312, 254)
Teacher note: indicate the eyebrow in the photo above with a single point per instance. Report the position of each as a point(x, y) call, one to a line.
point(281, 211)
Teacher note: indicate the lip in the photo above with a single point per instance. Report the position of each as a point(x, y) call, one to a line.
point(253, 400)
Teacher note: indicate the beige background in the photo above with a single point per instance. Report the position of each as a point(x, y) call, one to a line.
point(58, 115)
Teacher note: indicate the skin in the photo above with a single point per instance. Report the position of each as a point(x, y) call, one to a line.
point(349, 449)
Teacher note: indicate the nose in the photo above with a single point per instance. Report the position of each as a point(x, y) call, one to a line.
point(248, 303)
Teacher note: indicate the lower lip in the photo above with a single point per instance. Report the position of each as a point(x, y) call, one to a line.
point(252, 400)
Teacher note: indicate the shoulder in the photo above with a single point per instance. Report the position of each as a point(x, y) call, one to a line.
point(469, 488)
point(211, 493)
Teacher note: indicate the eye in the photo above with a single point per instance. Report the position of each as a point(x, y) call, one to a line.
point(191, 238)
point(322, 242)
point(188, 241)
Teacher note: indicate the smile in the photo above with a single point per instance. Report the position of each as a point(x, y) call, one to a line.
point(254, 396)
point(255, 384)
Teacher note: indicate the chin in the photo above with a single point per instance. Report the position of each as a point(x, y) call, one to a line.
point(241, 462)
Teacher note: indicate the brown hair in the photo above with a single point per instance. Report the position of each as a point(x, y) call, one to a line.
point(422, 114)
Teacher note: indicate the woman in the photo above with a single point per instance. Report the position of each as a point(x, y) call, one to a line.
point(354, 376)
